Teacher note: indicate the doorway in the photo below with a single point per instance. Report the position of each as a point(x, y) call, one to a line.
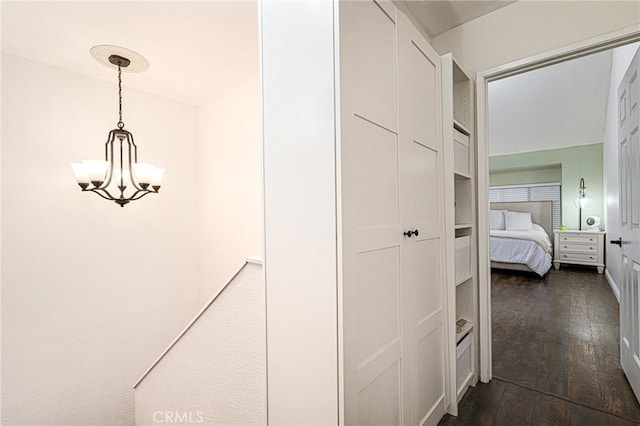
point(488, 370)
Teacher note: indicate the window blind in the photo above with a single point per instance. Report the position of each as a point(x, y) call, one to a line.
point(546, 192)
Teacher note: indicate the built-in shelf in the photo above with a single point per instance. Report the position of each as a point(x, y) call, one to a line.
point(464, 280)
point(458, 116)
point(465, 329)
point(460, 127)
point(463, 226)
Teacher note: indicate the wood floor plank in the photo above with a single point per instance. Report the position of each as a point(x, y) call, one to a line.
point(583, 385)
point(516, 406)
point(581, 352)
point(550, 411)
point(604, 334)
point(583, 416)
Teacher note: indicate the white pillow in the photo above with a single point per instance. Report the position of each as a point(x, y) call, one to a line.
point(515, 221)
point(496, 220)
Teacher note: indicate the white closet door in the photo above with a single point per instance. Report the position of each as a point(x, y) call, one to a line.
point(390, 177)
point(371, 234)
point(422, 210)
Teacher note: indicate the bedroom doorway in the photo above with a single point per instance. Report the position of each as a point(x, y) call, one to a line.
point(557, 335)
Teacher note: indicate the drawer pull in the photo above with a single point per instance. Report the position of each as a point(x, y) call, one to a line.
point(591, 257)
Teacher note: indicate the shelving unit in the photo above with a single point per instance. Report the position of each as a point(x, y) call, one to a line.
point(460, 173)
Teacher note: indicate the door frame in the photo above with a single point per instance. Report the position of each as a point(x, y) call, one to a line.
point(607, 41)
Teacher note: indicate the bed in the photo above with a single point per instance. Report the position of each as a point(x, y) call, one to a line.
point(529, 251)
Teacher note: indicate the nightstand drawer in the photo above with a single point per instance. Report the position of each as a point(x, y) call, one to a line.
point(579, 257)
point(578, 238)
point(583, 248)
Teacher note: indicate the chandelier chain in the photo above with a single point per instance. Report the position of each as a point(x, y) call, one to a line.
point(120, 123)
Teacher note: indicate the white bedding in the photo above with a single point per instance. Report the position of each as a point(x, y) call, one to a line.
point(532, 248)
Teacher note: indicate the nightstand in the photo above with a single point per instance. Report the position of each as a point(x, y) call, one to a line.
point(579, 248)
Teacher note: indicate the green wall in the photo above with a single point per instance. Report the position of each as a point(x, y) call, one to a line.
point(567, 166)
point(542, 174)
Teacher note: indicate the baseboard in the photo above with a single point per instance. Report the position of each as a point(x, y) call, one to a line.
point(612, 284)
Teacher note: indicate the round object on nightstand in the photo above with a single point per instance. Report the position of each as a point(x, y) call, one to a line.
point(594, 223)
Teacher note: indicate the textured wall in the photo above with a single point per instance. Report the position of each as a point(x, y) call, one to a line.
point(216, 373)
point(91, 292)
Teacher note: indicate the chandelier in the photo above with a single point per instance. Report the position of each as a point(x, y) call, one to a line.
point(119, 177)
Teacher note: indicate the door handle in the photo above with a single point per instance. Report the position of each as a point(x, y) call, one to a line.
point(409, 233)
point(618, 241)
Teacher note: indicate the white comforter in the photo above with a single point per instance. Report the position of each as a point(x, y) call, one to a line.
point(532, 248)
point(537, 236)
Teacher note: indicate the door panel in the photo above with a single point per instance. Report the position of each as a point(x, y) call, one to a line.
point(421, 208)
point(629, 169)
point(372, 38)
point(379, 401)
point(378, 323)
point(374, 154)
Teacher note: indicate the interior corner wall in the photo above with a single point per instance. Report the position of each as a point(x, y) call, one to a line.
point(230, 185)
point(527, 28)
point(622, 57)
point(578, 161)
point(91, 292)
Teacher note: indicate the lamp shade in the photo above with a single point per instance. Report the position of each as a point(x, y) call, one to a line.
point(157, 176)
point(143, 172)
point(582, 201)
point(97, 170)
point(82, 175)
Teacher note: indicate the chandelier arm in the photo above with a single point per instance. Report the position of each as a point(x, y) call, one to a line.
point(97, 191)
point(144, 192)
point(131, 144)
point(109, 144)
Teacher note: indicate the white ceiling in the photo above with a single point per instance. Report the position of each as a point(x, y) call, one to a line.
point(196, 50)
point(437, 16)
point(554, 107)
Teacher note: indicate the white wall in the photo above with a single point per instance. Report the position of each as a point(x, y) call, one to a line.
point(92, 292)
point(622, 57)
point(216, 372)
point(230, 184)
point(526, 28)
point(300, 210)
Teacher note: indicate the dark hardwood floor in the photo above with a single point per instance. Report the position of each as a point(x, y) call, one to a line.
point(502, 403)
point(555, 354)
